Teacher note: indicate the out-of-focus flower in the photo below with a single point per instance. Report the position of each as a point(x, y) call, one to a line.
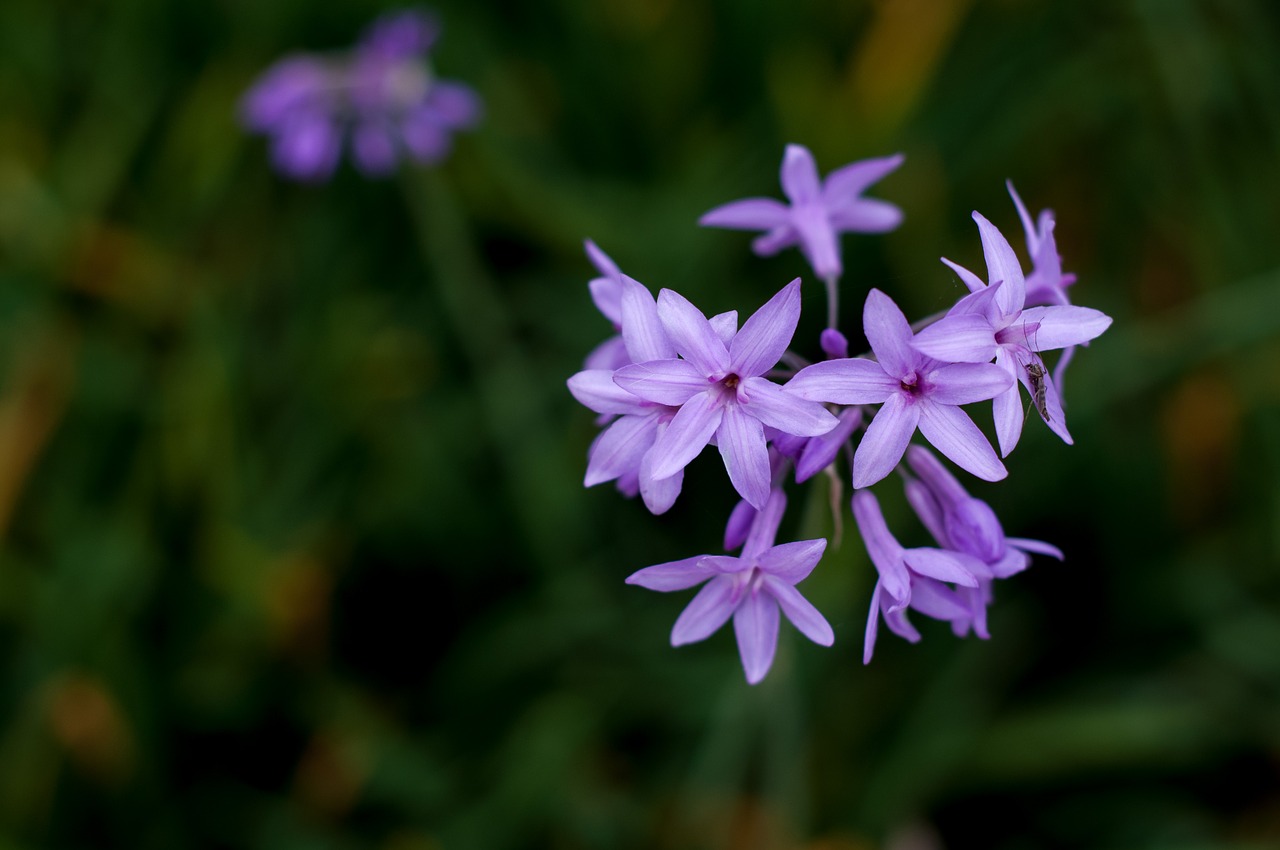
point(381, 97)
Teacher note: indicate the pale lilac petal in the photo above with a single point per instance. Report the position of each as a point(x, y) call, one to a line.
point(977, 598)
point(706, 612)
point(608, 355)
point(800, 612)
point(890, 334)
point(834, 344)
point(1052, 414)
point(965, 383)
point(602, 261)
point(686, 436)
point(1060, 327)
point(925, 504)
point(596, 389)
point(673, 575)
point(873, 623)
point(1013, 562)
point(895, 617)
point(866, 215)
point(885, 440)
point(1007, 408)
point(1037, 546)
point(739, 525)
point(692, 334)
point(981, 303)
point(792, 562)
point(748, 214)
point(746, 459)
point(818, 240)
point(726, 564)
point(953, 433)
point(756, 625)
point(936, 600)
point(725, 325)
point(1060, 370)
point(671, 382)
point(974, 529)
point(821, 451)
point(943, 566)
point(851, 381)
point(642, 331)
point(620, 448)
point(799, 175)
point(606, 294)
point(968, 278)
point(1032, 241)
point(778, 408)
point(1002, 265)
point(759, 345)
point(659, 494)
point(884, 549)
point(852, 180)
point(775, 240)
point(765, 527)
point(958, 338)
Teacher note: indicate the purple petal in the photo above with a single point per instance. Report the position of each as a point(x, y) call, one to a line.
point(739, 525)
point(692, 334)
point(1037, 546)
point(765, 526)
point(792, 562)
point(686, 436)
point(778, 408)
point(673, 575)
point(746, 459)
point(834, 344)
point(873, 623)
point(1007, 408)
point(850, 381)
point(725, 325)
point(454, 105)
point(936, 600)
point(818, 240)
point(606, 294)
point(620, 448)
point(800, 612)
point(775, 240)
point(1028, 229)
point(706, 612)
point(602, 261)
point(756, 625)
point(968, 278)
point(748, 214)
point(645, 337)
point(961, 338)
point(819, 452)
point(765, 336)
point(1052, 414)
point(896, 619)
point(1063, 326)
point(953, 433)
point(659, 494)
point(608, 355)
point(424, 136)
point(373, 148)
point(965, 383)
point(307, 147)
point(889, 334)
point(885, 440)
point(726, 564)
point(925, 504)
point(943, 566)
point(400, 34)
point(596, 389)
point(294, 84)
point(884, 549)
point(850, 181)
point(866, 215)
point(1002, 265)
point(799, 175)
point(671, 382)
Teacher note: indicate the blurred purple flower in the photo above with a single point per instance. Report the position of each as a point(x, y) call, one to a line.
point(751, 589)
point(820, 210)
point(382, 95)
point(913, 390)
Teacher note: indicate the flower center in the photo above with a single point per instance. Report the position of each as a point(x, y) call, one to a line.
point(911, 383)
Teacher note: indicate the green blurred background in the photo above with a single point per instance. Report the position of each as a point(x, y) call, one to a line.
point(295, 552)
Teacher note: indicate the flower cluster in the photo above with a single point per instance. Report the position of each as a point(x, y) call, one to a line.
point(381, 94)
point(673, 381)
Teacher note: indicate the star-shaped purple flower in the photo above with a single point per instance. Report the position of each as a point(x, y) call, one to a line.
point(720, 392)
point(820, 210)
point(914, 391)
point(751, 589)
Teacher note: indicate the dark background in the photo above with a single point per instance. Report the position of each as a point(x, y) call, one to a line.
point(295, 552)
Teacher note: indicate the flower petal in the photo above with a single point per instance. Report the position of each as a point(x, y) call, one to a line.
point(799, 175)
point(1007, 408)
point(746, 458)
point(706, 612)
point(602, 261)
point(659, 494)
point(800, 612)
point(692, 334)
point(968, 278)
point(1063, 326)
point(759, 345)
point(1002, 265)
point(820, 452)
point(686, 436)
point(889, 334)
point(620, 448)
point(775, 240)
point(953, 433)
point(882, 547)
point(777, 408)
point(671, 382)
point(866, 215)
point(764, 529)
point(792, 562)
point(853, 380)
point(852, 180)
point(965, 383)
point(596, 389)
point(748, 214)
point(934, 599)
point(1037, 546)
point(756, 625)
point(739, 525)
point(959, 338)
point(673, 575)
point(1032, 241)
point(818, 240)
point(885, 440)
point(642, 331)
point(725, 325)
point(943, 566)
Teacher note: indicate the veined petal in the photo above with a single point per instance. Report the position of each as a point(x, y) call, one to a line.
point(673, 575)
point(642, 331)
point(596, 389)
point(873, 623)
point(686, 436)
point(1063, 326)
point(953, 433)
point(965, 383)
point(755, 624)
point(1007, 408)
point(799, 175)
point(944, 566)
point(746, 458)
point(659, 494)
point(1002, 265)
point(885, 440)
point(792, 562)
point(778, 408)
point(889, 334)
point(692, 334)
point(706, 612)
point(620, 448)
point(800, 612)
point(959, 338)
point(850, 181)
point(854, 380)
point(748, 214)
point(759, 345)
point(671, 382)
point(865, 215)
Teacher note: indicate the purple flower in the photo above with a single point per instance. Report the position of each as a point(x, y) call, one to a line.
point(961, 523)
point(383, 95)
point(606, 293)
point(718, 388)
point(910, 578)
point(819, 210)
point(1046, 284)
point(751, 589)
point(914, 390)
point(991, 322)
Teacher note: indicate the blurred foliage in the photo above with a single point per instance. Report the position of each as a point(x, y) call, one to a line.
point(295, 552)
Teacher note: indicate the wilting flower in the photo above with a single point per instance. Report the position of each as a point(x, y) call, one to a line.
point(381, 97)
point(914, 390)
point(751, 589)
point(717, 386)
point(820, 210)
